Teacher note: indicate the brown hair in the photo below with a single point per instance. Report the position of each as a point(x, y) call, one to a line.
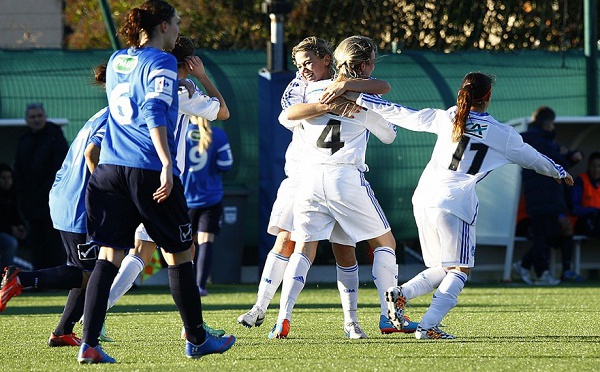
point(350, 54)
point(318, 46)
point(144, 19)
point(100, 74)
point(184, 47)
point(475, 90)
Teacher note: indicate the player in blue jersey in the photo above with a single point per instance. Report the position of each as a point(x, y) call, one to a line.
point(67, 209)
point(209, 105)
point(470, 144)
point(136, 180)
point(208, 155)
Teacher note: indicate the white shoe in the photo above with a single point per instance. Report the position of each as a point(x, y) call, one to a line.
point(523, 273)
point(547, 279)
point(253, 318)
point(353, 331)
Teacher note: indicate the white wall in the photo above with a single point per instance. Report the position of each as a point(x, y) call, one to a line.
point(26, 24)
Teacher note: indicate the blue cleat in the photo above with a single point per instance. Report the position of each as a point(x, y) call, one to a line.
point(88, 354)
point(211, 345)
point(386, 326)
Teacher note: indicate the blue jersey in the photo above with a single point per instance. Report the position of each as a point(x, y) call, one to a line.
point(67, 196)
point(141, 85)
point(202, 175)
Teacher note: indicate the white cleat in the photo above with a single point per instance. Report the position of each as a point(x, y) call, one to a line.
point(353, 331)
point(253, 318)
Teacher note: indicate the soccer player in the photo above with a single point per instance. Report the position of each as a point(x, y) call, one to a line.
point(211, 105)
point(335, 191)
point(470, 144)
point(136, 180)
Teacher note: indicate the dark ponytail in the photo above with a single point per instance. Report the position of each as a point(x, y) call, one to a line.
point(476, 89)
point(145, 18)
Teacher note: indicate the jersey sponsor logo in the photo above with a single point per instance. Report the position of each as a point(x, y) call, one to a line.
point(163, 84)
point(478, 130)
point(185, 232)
point(125, 64)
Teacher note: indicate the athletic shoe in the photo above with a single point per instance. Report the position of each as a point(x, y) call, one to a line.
point(280, 329)
point(433, 333)
point(10, 286)
point(547, 279)
point(64, 340)
point(104, 337)
point(386, 327)
point(211, 345)
point(207, 328)
point(203, 292)
point(88, 354)
point(396, 302)
point(523, 273)
point(253, 318)
point(353, 331)
point(572, 276)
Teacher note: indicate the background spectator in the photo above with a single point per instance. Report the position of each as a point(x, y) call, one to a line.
point(586, 198)
point(11, 223)
point(40, 152)
point(545, 204)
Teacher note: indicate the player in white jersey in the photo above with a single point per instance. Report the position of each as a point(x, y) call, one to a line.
point(210, 105)
point(334, 151)
point(470, 144)
point(313, 58)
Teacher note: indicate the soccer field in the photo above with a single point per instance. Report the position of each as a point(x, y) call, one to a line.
point(498, 328)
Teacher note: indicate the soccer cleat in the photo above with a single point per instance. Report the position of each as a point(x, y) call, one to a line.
point(523, 273)
point(88, 354)
point(253, 318)
point(280, 329)
point(433, 333)
point(353, 331)
point(572, 276)
point(396, 302)
point(104, 337)
point(10, 286)
point(211, 345)
point(63, 340)
point(207, 328)
point(386, 327)
point(547, 279)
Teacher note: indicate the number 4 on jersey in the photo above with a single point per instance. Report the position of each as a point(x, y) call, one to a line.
point(334, 144)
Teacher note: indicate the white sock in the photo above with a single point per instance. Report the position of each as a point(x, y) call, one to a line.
point(271, 278)
point(444, 299)
point(131, 267)
point(385, 273)
point(347, 282)
point(293, 283)
point(424, 282)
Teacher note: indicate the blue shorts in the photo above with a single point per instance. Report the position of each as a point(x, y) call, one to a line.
point(207, 219)
point(119, 198)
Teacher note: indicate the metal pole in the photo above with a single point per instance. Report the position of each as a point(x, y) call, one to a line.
point(110, 25)
point(590, 9)
point(277, 44)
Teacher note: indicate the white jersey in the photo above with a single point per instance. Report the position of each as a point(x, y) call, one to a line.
point(293, 94)
point(336, 140)
point(449, 179)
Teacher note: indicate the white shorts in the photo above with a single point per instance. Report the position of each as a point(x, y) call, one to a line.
point(341, 194)
point(446, 240)
point(282, 214)
point(142, 234)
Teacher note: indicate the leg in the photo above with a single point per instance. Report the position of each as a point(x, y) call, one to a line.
point(385, 268)
point(348, 282)
point(203, 259)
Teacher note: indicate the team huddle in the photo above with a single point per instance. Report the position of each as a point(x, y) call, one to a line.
point(138, 191)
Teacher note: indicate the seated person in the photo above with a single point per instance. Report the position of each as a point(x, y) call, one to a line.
point(586, 198)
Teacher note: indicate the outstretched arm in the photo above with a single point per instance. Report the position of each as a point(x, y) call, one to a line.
point(338, 88)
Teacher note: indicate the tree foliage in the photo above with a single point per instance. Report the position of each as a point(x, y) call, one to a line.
point(441, 25)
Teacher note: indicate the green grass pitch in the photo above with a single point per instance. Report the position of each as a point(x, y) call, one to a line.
point(498, 328)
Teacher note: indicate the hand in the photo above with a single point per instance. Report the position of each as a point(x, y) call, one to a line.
point(19, 232)
point(351, 96)
point(187, 85)
point(166, 184)
point(333, 91)
point(195, 66)
point(568, 179)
